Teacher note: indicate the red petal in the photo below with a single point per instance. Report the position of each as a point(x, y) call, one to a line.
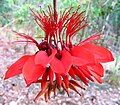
point(81, 56)
point(97, 77)
point(16, 68)
point(32, 72)
point(97, 68)
point(91, 38)
point(86, 72)
point(76, 84)
point(65, 88)
point(66, 81)
point(71, 73)
point(100, 53)
point(57, 66)
point(51, 76)
point(66, 60)
point(43, 59)
point(81, 76)
point(63, 65)
point(44, 81)
point(58, 79)
point(73, 88)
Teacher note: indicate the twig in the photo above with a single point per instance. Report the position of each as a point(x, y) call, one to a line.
point(7, 25)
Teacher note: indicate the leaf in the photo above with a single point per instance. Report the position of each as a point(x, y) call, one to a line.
point(117, 60)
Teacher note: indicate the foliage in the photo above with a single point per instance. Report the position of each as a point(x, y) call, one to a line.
point(4, 12)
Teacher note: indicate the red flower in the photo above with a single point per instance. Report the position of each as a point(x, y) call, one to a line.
point(58, 61)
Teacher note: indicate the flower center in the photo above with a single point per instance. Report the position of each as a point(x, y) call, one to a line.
point(58, 55)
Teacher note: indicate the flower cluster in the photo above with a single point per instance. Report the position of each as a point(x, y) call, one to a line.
point(59, 63)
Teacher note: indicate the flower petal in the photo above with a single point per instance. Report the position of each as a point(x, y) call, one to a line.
point(97, 68)
point(27, 37)
point(81, 76)
point(97, 77)
point(86, 72)
point(59, 80)
point(43, 59)
point(32, 72)
point(65, 80)
point(100, 53)
point(91, 39)
point(44, 81)
point(51, 76)
point(81, 56)
point(63, 65)
point(16, 68)
point(66, 60)
point(57, 66)
point(71, 73)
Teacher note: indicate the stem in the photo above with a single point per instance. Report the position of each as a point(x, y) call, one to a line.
point(54, 7)
point(55, 20)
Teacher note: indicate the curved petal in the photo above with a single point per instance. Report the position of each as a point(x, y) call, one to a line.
point(66, 60)
point(86, 72)
point(91, 39)
point(81, 76)
point(16, 68)
point(81, 56)
point(97, 68)
point(43, 59)
point(57, 66)
point(58, 79)
point(27, 37)
point(32, 72)
point(44, 81)
point(63, 65)
point(66, 80)
point(97, 77)
point(51, 76)
point(71, 73)
point(100, 53)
